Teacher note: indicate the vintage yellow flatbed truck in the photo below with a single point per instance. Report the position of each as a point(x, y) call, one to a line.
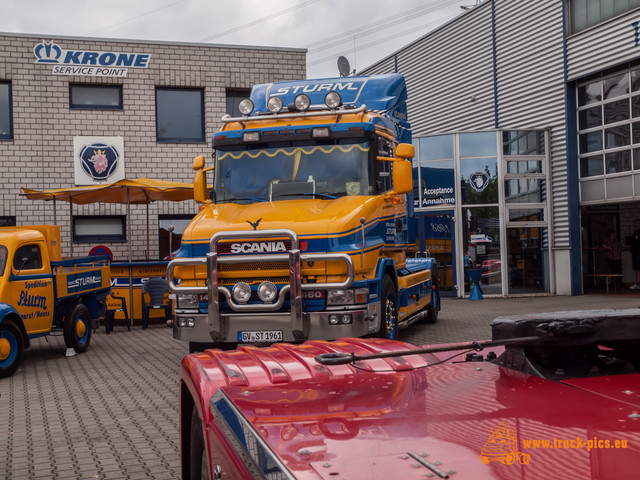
point(41, 293)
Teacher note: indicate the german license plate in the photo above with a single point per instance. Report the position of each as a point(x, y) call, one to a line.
point(258, 336)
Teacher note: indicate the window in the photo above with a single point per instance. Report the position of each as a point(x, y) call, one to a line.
point(170, 230)
point(8, 221)
point(93, 229)
point(609, 131)
point(98, 97)
point(234, 96)
point(6, 120)
point(180, 115)
point(587, 13)
point(3, 258)
point(27, 257)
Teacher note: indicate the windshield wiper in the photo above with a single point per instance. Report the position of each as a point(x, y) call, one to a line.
point(315, 194)
point(250, 199)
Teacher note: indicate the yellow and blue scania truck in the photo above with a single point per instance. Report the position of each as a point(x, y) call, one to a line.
point(308, 231)
point(41, 293)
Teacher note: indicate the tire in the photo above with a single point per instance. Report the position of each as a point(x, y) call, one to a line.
point(11, 348)
point(195, 347)
point(77, 331)
point(198, 458)
point(389, 304)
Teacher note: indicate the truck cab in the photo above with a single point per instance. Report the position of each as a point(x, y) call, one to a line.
point(40, 292)
point(308, 230)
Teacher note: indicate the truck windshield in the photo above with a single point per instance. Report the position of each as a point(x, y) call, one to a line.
point(3, 259)
point(293, 171)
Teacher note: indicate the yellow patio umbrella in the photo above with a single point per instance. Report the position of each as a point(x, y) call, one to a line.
point(138, 191)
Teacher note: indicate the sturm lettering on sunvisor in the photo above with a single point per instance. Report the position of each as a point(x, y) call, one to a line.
point(323, 87)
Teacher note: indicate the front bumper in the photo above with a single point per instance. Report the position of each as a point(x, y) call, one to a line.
point(315, 325)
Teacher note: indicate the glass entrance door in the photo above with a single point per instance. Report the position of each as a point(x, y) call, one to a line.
point(436, 236)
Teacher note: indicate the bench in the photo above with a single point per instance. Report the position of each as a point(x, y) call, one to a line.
point(607, 278)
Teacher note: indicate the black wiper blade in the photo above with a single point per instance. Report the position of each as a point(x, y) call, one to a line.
point(250, 199)
point(323, 195)
point(342, 358)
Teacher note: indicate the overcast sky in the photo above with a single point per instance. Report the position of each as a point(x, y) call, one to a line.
point(364, 31)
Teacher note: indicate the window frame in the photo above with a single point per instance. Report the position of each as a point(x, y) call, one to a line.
point(100, 238)
point(235, 93)
point(8, 136)
point(75, 106)
point(202, 138)
point(572, 30)
point(17, 264)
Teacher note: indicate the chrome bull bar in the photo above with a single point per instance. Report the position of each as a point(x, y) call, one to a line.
point(294, 257)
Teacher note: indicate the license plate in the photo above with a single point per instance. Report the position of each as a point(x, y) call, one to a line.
point(257, 336)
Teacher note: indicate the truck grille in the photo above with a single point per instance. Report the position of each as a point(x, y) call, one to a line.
point(253, 281)
point(234, 267)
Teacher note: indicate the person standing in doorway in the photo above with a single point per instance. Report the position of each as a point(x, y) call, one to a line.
point(614, 252)
point(634, 246)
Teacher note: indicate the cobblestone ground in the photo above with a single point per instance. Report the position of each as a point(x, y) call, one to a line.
point(112, 412)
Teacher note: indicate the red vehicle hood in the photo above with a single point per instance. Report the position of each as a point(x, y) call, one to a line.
point(466, 420)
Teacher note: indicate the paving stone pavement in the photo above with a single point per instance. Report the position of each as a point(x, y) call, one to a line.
point(112, 412)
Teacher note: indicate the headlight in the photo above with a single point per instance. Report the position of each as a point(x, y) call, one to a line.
point(340, 297)
point(302, 102)
point(332, 100)
point(348, 296)
point(275, 104)
point(187, 301)
point(267, 291)
point(245, 106)
point(241, 292)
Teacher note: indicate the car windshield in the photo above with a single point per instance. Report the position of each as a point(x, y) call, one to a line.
point(293, 171)
point(3, 259)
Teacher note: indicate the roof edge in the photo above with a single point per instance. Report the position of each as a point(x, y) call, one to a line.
point(150, 42)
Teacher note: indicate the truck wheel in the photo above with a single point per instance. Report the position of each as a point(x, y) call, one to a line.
point(434, 307)
point(11, 348)
point(77, 332)
point(195, 347)
point(389, 297)
point(198, 459)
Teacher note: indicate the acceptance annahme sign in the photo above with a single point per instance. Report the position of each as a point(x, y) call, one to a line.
point(87, 62)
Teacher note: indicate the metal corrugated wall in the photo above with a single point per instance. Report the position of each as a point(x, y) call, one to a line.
point(450, 80)
point(530, 66)
point(450, 76)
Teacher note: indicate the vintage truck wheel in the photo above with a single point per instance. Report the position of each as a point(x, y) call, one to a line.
point(77, 332)
point(11, 348)
point(389, 298)
point(198, 460)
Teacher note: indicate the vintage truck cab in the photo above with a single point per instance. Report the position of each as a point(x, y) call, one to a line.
point(40, 292)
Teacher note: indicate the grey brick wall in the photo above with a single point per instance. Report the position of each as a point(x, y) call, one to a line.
point(40, 156)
